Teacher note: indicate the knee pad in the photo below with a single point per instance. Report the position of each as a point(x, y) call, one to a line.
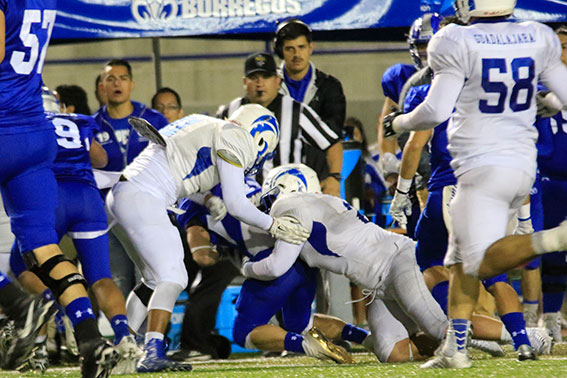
point(136, 311)
point(164, 296)
point(143, 292)
point(57, 286)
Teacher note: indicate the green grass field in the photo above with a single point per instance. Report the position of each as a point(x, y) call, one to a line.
point(255, 366)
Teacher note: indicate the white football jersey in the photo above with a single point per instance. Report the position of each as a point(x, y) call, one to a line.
point(193, 144)
point(342, 240)
point(500, 63)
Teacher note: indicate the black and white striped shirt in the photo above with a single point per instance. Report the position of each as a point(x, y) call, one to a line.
point(301, 129)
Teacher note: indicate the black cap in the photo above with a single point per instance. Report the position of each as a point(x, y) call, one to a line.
point(260, 62)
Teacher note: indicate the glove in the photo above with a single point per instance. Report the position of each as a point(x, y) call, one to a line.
point(390, 163)
point(548, 104)
point(289, 230)
point(388, 124)
point(400, 208)
point(216, 207)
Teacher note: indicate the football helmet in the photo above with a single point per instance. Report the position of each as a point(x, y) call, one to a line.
point(420, 33)
point(465, 9)
point(264, 128)
point(50, 103)
point(288, 178)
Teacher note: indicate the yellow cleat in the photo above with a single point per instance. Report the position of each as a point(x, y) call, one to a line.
point(317, 345)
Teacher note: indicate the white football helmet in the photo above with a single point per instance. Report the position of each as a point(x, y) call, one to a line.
point(263, 126)
point(466, 9)
point(50, 103)
point(288, 178)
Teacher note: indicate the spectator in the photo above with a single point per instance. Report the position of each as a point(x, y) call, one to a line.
point(322, 92)
point(100, 94)
point(167, 102)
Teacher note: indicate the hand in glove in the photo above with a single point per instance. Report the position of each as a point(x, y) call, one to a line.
point(289, 230)
point(216, 207)
point(400, 208)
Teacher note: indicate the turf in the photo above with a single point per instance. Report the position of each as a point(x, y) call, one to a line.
point(255, 366)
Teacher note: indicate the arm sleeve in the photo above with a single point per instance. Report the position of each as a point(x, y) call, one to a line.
point(276, 264)
point(315, 131)
point(232, 178)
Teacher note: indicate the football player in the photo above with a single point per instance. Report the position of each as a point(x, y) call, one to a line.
point(81, 215)
point(29, 189)
point(186, 159)
point(488, 72)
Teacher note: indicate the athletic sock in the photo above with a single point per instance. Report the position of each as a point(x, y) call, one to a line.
point(119, 324)
point(353, 333)
point(516, 326)
point(441, 294)
point(552, 301)
point(153, 335)
point(79, 310)
point(461, 329)
point(293, 343)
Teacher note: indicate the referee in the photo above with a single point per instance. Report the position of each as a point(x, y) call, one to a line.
point(300, 126)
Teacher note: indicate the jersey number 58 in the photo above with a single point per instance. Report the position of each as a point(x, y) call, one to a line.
point(523, 74)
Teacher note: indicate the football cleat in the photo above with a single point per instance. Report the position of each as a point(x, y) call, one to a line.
point(154, 359)
point(490, 347)
point(526, 353)
point(458, 360)
point(129, 353)
point(315, 344)
point(39, 360)
point(100, 359)
point(552, 322)
point(37, 311)
point(541, 342)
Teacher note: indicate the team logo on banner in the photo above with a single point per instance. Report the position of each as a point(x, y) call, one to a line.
point(154, 10)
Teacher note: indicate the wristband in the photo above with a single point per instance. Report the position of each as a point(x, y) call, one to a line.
point(213, 248)
point(404, 185)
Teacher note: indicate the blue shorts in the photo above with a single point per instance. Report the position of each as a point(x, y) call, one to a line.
point(431, 233)
point(293, 293)
point(28, 186)
point(80, 213)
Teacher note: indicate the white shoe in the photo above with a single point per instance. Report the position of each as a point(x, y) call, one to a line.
point(552, 322)
point(315, 344)
point(540, 340)
point(459, 360)
point(129, 353)
point(490, 347)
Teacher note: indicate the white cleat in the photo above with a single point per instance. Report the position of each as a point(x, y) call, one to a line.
point(490, 347)
point(129, 353)
point(541, 342)
point(459, 360)
point(552, 322)
point(316, 345)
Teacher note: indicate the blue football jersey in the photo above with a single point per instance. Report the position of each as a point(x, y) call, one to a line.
point(74, 136)
point(441, 172)
point(28, 29)
point(394, 79)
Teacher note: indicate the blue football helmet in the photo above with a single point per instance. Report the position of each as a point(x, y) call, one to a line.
point(263, 126)
point(288, 178)
point(50, 103)
point(420, 33)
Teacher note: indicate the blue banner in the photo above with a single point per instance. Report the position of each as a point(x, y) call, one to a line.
point(83, 19)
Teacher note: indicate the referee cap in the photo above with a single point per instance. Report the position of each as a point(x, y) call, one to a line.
point(260, 62)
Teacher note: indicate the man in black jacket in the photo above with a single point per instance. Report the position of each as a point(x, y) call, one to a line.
point(322, 92)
